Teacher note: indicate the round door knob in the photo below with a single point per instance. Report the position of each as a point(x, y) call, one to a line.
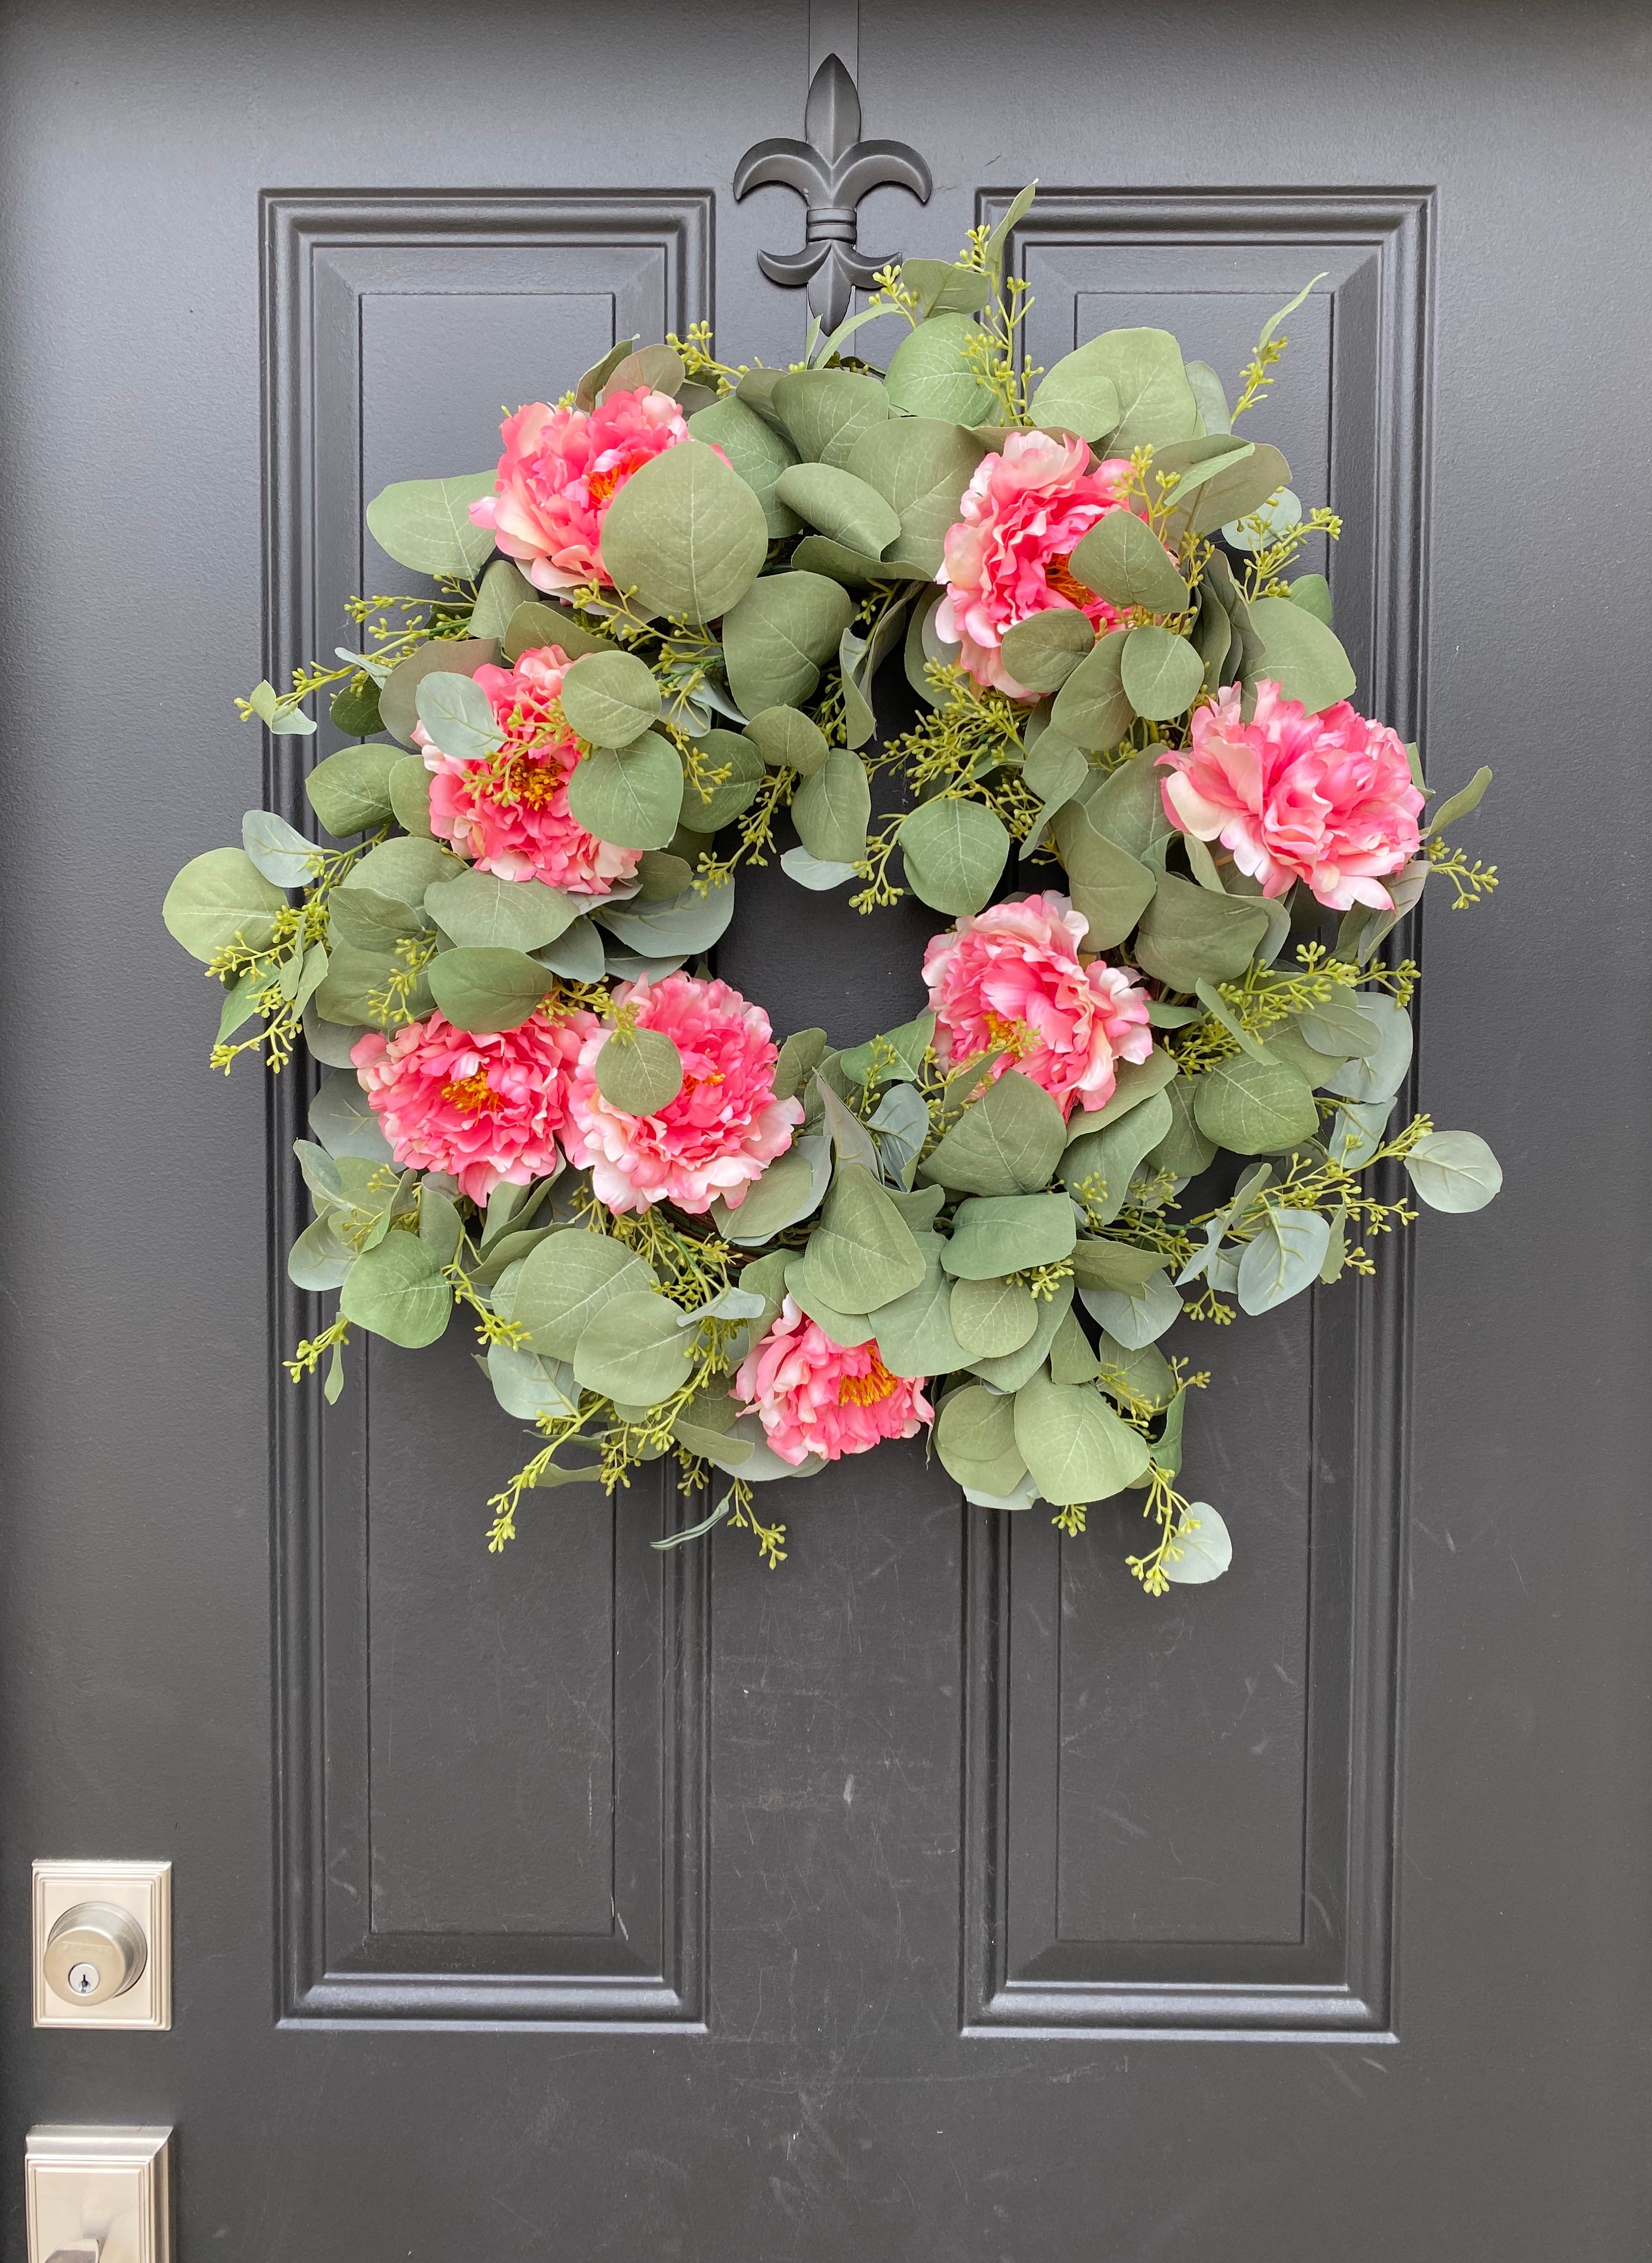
point(93, 1952)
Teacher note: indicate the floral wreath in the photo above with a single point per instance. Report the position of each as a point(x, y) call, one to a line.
point(1173, 1069)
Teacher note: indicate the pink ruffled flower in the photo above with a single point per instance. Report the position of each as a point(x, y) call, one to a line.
point(1011, 977)
point(1327, 798)
point(561, 469)
point(1024, 514)
point(483, 1107)
point(723, 1129)
point(813, 1397)
point(510, 815)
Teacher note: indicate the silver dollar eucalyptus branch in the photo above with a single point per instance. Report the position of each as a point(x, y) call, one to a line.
point(832, 170)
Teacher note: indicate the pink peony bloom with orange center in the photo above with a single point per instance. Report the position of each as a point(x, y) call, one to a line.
point(1011, 978)
point(1327, 798)
point(813, 1397)
point(510, 815)
point(561, 469)
point(1024, 514)
point(721, 1132)
point(483, 1107)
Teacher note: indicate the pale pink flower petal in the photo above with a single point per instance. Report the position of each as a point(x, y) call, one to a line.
point(561, 469)
point(813, 1397)
point(1022, 516)
point(1011, 977)
point(483, 1107)
point(1327, 798)
point(510, 815)
point(721, 1132)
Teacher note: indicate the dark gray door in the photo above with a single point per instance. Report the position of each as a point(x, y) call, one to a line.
point(938, 1897)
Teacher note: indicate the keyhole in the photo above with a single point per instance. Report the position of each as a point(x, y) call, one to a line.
point(82, 1978)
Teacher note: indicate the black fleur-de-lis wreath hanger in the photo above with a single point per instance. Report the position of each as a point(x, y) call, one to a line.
point(831, 169)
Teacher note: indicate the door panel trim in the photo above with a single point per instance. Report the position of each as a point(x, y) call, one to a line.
point(1018, 1977)
point(651, 252)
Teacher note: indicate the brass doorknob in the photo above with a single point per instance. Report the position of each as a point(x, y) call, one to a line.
point(93, 1952)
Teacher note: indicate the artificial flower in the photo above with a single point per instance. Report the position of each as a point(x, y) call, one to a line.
point(483, 1108)
point(1010, 980)
point(1023, 514)
point(561, 469)
point(721, 1132)
point(1327, 798)
point(813, 1397)
point(509, 812)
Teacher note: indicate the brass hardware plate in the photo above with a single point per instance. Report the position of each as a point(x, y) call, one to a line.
point(102, 2191)
point(141, 1890)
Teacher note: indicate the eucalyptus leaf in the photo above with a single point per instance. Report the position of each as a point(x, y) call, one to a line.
point(1300, 654)
point(534, 627)
point(1312, 593)
point(920, 466)
point(481, 990)
point(403, 869)
point(758, 452)
point(1380, 1073)
point(825, 411)
point(861, 1254)
point(1041, 651)
point(1103, 1163)
point(1454, 1170)
point(791, 1188)
point(1007, 1142)
point(1187, 935)
point(318, 1259)
point(1110, 889)
point(1008, 1233)
point(632, 1350)
point(832, 809)
point(399, 694)
point(1254, 1108)
point(931, 373)
point(527, 1386)
point(577, 954)
point(954, 852)
point(1283, 1258)
point(1134, 1317)
point(1156, 401)
point(990, 1319)
point(809, 873)
point(1201, 1549)
point(1076, 1449)
point(914, 1332)
point(639, 1072)
point(565, 1282)
point(458, 716)
point(1162, 674)
point(503, 589)
point(780, 636)
point(1457, 804)
point(609, 698)
point(426, 525)
point(342, 1119)
point(481, 909)
point(1133, 1082)
point(975, 1439)
point(220, 899)
point(788, 740)
point(1078, 395)
point(350, 790)
point(1092, 708)
point(706, 805)
point(840, 506)
point(397, 1291)
point(1244, 486)
point(1098, 1263)
point(687, 534)
point(630, 798)
point(1124, 561)
point(280, 853)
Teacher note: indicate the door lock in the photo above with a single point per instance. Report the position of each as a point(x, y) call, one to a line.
point(102, 1945)
point(93, 1952)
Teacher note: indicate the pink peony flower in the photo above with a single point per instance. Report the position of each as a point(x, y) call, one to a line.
point(1011, 976)
point(1024, 514)
point(723, 1128)
point(813, 1397)
point(484, 1108)
point(510, 815)
point(561, 469)
point(1327, 798)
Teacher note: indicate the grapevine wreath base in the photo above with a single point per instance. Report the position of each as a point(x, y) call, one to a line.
point(1157, 1077)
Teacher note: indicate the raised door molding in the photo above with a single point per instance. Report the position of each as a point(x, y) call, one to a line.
point(1259, 1899)
point(490, 1775)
